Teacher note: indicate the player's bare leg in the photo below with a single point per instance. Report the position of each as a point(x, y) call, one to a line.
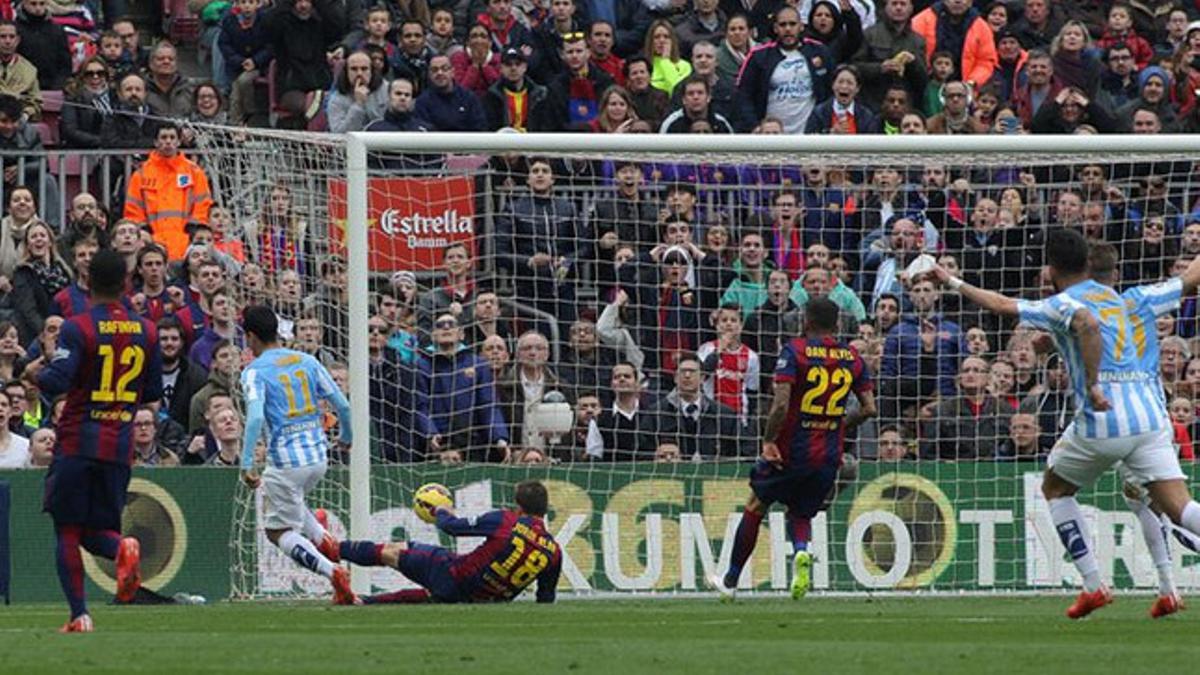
point(304, 552)
point(743, 545)
point(1154, 532)
point(1072, 530)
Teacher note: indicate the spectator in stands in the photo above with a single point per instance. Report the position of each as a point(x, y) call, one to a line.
point(168, 92)
point(1119, 81)
point(704, 23)
point(88, 101)
point(956, 117)
point(221, 327)
point(225, 428)
point(527, 382)
point(477, 67)
point(887, 256)
point(835, 25)
point(442, 38)
point(892, 54)
point(667, 66)
point(226, 360)
point(749, 287)
point(1120, 31)
point(920, 354)
point(575, 92)
point(732, 370)
point(41, 447)
point(969, 425)
point(18, 77)
point(446, 104)
point(1024, 443)
point(309, 338)
point(245, 47)
point(412, 61)
point(786, 79)
point(1070, 109)
point(463, 404)
point(1174, 34)
point(539, 241)
point(11, 351)
point(734, 47)
point(581, 363)
point(131, 123)
point(39, 276)
point(167, 192)
point(625, 216)
point(515, 100)
point(486, 321)
point(43, 43)
point(14, 449)
point(842, 113)
point(74, 299)
point(455, 295)
point(301, 31)
point(147, 451)
point(399, 115)
point(696, 106)
point(359, 97)
point(182, 379)
point(16, 136)
point(22, 212)
point(699, 427)
point(650, 102)
point(819, 282)
point(131, 41)
point(722, 92)
point(1154, 85)
point(545, 55)
point(1040, 87)
point(331, 302)
point(954, 26)
point(600, 44)
point(112, 52)
point(773, 323)
point(616, 113)
point(208, 107)
point(504, 28)
point(617, 427)
point(1075, 64)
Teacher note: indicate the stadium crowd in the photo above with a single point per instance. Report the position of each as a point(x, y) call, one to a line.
point(669, 286)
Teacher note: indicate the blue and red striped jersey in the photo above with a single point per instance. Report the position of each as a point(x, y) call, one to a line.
point(156, 306)
point(822, 373)
point(107, 363)
point(518, 550)
point(71, 300)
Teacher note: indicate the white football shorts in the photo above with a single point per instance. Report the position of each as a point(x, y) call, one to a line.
point(284, 492)
point(1146, 457)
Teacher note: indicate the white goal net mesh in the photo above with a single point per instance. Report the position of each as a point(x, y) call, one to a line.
point(610, 324)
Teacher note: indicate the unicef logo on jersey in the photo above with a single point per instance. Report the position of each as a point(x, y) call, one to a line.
point(425, 231)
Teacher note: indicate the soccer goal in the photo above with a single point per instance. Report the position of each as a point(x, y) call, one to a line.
point(604, 313)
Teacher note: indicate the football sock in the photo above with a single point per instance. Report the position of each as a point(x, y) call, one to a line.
point(743, 545)
point(365, 553)
point(800, 532)
point(1189, 519)
point(103, 543)
point(1072, 530)
point(1156, 541)
point(312, 528)
point(410, 596)
point(70, 568)
point(305, 552)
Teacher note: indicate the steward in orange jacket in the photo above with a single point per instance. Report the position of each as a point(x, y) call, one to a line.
point(168, 191)
point(954, 26)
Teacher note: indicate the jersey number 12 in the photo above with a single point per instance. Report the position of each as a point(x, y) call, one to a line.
point(131, 361)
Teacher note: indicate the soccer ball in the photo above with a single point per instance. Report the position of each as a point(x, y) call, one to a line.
point(428, 497)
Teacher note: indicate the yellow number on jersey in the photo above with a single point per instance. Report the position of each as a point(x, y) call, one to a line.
point(132, 359)
point(302, 404)
point(819, 378)
point(1117, 315)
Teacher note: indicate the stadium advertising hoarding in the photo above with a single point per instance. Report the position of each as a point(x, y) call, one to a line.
point(410, 220)
point(943, 526)
point(182, 517)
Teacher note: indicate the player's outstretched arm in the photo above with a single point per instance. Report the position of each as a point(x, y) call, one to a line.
point(990, 300)
point(1087, 331)
point(866, 409)
point(547, 581)
point(477, 526)
point(775, 419)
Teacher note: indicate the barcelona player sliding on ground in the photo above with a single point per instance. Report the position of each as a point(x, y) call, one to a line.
point(107, 363)
point(517, 552)
point(802, 442)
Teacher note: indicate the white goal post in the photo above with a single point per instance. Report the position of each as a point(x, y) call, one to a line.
point(792, 149)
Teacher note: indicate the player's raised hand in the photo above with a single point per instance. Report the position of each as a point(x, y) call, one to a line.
point(1099, 400)
point(770, 452)
point(251, 479)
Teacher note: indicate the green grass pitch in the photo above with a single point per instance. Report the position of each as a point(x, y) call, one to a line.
point(817, 635)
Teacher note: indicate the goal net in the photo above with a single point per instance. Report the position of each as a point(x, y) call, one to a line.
point(605, 314)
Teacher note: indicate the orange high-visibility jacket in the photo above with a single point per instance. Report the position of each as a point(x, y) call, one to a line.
point(168, 194)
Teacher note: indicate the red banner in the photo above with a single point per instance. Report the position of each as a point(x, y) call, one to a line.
point(410, 221)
